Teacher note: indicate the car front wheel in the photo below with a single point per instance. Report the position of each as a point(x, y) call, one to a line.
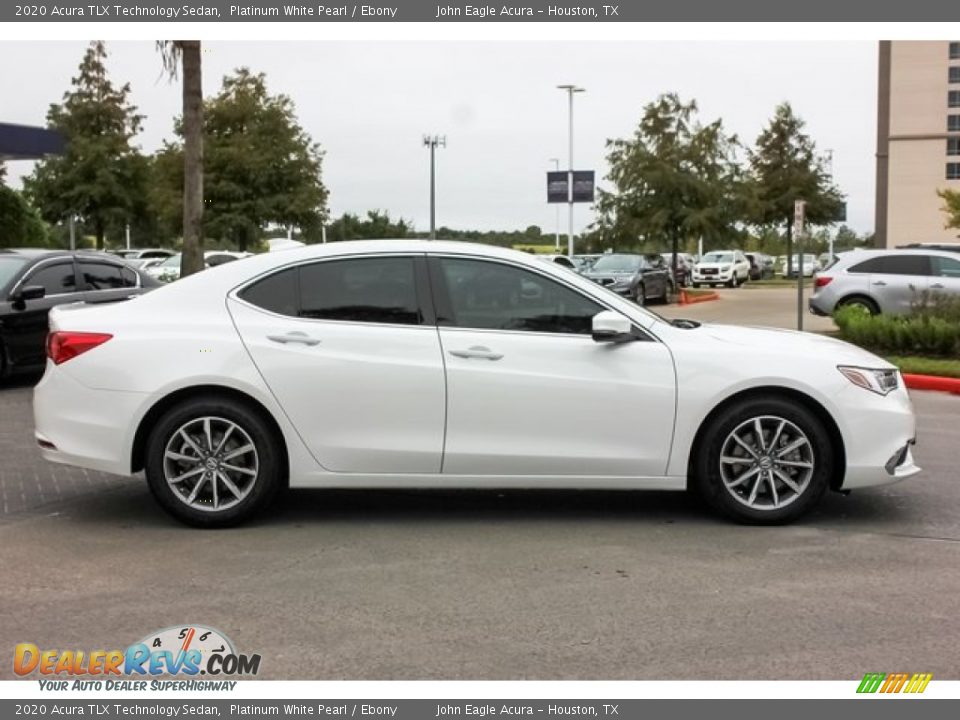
point(764, 461)
point(213, 462)
point(640, 295)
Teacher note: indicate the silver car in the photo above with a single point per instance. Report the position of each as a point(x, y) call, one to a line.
point(885, 281)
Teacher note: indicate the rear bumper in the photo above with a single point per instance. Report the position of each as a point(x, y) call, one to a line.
point(71, 426)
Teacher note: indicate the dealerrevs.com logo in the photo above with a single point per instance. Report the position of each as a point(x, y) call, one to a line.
point(179, 651)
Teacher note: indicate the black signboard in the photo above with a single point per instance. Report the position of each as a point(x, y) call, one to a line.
point(557, 191)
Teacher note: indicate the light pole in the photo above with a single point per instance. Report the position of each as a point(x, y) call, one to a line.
point(556, 166)
point(432, 141)
point(571, 89)
point(830, 173)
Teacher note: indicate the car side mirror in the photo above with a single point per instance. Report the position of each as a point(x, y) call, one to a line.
point(609, 326)
point(29, 292)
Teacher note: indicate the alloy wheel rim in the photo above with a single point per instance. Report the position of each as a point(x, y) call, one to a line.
point(766, 463)
point(211, 464)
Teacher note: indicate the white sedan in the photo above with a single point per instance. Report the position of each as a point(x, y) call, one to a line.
point(434, 364)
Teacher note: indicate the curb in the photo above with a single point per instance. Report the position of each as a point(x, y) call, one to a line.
point(932, 382)
point(686, 299)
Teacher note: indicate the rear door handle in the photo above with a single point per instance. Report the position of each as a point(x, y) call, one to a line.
point(879, 282)
point(937, 286)
point(477, 351)
point(294, 337)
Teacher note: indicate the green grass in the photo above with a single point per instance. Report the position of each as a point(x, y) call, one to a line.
point(912, 364)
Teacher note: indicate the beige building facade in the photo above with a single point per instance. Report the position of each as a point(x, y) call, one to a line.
point(918, 140)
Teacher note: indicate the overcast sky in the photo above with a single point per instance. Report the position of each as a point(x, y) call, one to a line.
point(369, 104)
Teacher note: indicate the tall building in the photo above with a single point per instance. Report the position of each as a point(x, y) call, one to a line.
point(918, 140)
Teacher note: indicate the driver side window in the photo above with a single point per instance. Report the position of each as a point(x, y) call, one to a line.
point(493, 296)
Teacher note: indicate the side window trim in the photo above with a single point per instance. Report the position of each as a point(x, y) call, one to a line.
point(444, 306)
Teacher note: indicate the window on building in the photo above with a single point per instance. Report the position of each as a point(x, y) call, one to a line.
point(953, 98)
point(953, 171)
point(953, 146)
point(955, 51)
point(954, 76)
point(953, 123)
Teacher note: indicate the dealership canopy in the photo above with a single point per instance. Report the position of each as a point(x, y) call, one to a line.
point(22, 142)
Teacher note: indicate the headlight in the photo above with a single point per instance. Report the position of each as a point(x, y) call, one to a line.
point(725, 268)
point(881, 382)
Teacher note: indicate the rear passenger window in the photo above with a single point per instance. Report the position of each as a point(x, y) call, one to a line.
point(102, 276)
point(377, 290)
point(912, 264)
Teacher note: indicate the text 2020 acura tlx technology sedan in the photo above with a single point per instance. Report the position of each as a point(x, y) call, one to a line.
point(433, 364)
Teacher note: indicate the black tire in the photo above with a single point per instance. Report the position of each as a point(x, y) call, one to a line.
point(640, 295)
point(859, 301)
point(734, 281)
point(708, 481)
point(270, 469)
point(668, 289)
point(695, 285)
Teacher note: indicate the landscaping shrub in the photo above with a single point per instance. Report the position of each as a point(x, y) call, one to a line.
point(932, 329)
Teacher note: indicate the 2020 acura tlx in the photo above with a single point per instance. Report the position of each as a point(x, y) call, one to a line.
point(434, 364)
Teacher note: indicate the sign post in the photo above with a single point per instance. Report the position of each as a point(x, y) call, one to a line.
point(799, 213)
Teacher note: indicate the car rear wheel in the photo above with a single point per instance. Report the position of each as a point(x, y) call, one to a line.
point(864, 303)
point(213, 462)
point(764, 461)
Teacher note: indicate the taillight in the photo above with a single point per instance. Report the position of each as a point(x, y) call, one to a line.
point(63, 346)
point(822, 281)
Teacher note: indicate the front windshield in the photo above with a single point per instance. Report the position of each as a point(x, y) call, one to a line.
point(9, 265)
point(717, 257)
point(618, 263)
point(172, 261)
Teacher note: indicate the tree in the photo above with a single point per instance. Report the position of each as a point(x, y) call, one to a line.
point(97, 177)
point(951, 206)
point(377, 225)
point(674, 179)
point(785, 167)
point(186, 53)
point(3, 173)
point(20, 224)
point(260, 165)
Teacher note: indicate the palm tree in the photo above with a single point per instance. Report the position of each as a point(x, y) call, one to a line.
point(186, 53)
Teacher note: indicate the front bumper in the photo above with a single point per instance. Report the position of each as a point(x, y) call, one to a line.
point(718, 278)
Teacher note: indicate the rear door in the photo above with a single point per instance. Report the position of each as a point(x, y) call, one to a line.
point(349, 348)
point(899, 281)
point(25, 326)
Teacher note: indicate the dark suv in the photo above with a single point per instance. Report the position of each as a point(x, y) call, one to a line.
point(32, 281)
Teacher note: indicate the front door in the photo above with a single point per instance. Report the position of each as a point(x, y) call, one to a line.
point(529, 391)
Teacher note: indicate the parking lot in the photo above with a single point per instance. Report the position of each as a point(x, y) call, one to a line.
point(499, 585)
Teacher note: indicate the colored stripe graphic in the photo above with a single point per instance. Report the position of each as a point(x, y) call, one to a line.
point(894, 683)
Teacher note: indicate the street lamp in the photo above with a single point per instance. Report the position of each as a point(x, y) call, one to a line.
point(556, 166)
point(571, 89)
point(432, 142)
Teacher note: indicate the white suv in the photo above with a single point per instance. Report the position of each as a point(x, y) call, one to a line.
point(726, 267)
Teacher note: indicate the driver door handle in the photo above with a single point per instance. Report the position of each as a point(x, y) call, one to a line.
point(477, 351)
point(294, 337)
point(879, 282)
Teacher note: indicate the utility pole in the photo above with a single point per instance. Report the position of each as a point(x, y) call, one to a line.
point(432, 141)
point(556, 166)
point(799, 213)
point(571, 89)
point(830, 171)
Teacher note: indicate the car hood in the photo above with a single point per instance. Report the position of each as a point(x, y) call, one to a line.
point(714, 266)
point(794, 343)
